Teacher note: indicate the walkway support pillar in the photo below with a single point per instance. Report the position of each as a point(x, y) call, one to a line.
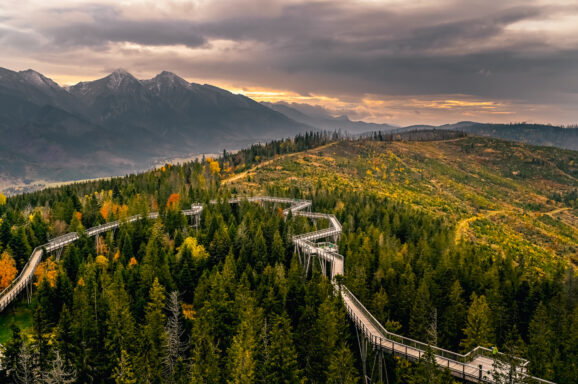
point(363, 346)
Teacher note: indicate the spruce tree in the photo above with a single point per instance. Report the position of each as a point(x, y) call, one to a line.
point(153, 335)
point(540, 348)
point(123, 372)
point(478, 331)
point(341, 368)
point(420, 313)
point(282, 367)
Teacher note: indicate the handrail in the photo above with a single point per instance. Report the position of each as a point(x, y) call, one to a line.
point(19, 282)
point(22, 275)
point(378, 340)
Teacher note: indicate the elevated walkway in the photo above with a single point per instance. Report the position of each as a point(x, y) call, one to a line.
point(475, 366)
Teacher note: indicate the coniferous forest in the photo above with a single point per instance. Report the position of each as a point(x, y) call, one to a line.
point(161, 301)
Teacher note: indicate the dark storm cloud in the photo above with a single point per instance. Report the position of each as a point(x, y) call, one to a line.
point(341, 48)
point(107, 25)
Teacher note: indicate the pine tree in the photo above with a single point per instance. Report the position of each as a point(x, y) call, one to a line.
point(11, 352)
point(5, 232)
point(220, 245)
point(153, 335)
point(453, 317)
point(259, 251)
point(242, 364)
point(120, 325)
point(65, 341)
point(205, 359)
point(570, 371)
point(341, 368)
point(277, 249)
point(155, 262)
point(540, 347)
point(282, 367)
point(123, 372)
point(478, 331)
point(420, 313)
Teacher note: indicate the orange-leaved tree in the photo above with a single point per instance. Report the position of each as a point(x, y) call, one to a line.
point(8, 270)
point(46, 270)
point(173, 201)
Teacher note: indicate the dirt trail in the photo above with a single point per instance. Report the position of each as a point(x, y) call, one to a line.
point(556, 211)
point(463, 225)
point(266, 163)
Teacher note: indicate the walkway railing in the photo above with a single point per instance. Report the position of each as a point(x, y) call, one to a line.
point(27, 273)
point(379, 337)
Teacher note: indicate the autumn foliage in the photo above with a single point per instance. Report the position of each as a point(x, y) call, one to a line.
point(46, 270)
point(213, 166)
point(108, 209)
point(8, 270)
point(132, 262)
point(173, 201)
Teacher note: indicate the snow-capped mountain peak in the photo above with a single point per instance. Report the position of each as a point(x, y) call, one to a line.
point(118, 78)
point(166, 81)
point(37, 79)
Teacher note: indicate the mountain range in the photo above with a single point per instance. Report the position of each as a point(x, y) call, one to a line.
point(536, 134)
point(120, 124)
point(316, 116)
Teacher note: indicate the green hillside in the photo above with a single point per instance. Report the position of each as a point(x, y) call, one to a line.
point(514, 199)
point(459, 242)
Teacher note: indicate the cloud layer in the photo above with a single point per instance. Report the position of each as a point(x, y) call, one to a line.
point(389, 61)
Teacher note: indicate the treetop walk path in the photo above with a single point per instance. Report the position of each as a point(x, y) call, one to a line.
point(24, 280)
point(476, 366)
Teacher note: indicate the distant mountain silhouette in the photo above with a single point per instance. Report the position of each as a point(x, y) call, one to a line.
point(537, 134)
point(320, 118)
point(118, 124)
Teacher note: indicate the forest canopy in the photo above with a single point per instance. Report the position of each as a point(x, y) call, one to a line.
point(161, 301)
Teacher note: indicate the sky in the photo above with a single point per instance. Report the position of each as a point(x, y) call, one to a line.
point(392, 61)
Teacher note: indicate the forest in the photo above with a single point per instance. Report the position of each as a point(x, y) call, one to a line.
point(160, 301)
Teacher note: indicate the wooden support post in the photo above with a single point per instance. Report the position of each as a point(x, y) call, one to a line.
point(29, 291)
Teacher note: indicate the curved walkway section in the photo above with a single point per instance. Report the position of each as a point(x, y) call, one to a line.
point(475, 366)
point(25, 277)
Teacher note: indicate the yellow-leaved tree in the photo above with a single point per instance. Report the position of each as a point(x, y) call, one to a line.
point(2, 199)
point(198, 252)
point(8, 270)
point(213, 166)
point(46, 270)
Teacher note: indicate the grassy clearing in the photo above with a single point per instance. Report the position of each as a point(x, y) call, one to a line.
point(19, 314)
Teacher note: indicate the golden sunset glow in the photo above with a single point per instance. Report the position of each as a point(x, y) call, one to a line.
point(396, 62)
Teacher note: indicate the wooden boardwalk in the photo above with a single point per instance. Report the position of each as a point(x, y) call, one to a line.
point(24, 280)
point(475, 366)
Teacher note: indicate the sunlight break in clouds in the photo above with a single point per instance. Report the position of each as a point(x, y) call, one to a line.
point(512, 60)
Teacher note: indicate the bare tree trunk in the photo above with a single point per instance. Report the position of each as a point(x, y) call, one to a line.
point(60, 372)
point(27, 368)
point(174, 333)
